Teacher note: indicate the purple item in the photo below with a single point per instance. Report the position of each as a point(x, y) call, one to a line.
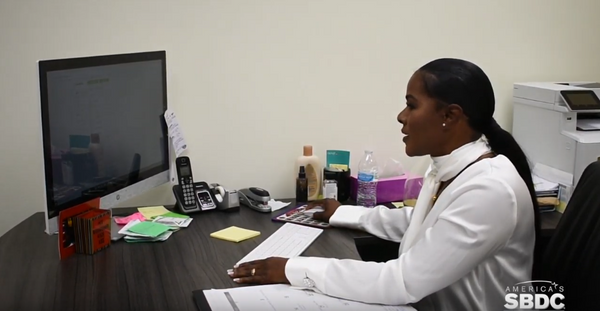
point(388, 189)
point(296, 215)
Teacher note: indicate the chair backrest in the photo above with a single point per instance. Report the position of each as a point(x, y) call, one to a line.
point(572, 257)
point(372, 248)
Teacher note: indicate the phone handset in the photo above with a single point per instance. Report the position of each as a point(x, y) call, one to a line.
point(187, 198)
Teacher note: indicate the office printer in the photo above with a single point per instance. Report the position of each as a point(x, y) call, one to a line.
point(558, 124)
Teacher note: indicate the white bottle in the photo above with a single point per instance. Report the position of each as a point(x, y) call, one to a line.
point(312, 166)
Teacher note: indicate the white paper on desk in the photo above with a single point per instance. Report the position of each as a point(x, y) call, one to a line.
point(277, 205)
point(175, 133)
point(284, 297)
point(125, 229)
point(163, 237)
point(173, 221)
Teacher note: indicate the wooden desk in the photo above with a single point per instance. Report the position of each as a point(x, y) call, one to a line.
point(140, 276)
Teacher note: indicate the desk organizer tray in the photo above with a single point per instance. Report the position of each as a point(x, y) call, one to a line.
point(298, 216)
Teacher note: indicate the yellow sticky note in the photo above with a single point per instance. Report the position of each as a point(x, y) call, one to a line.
point(398, 204)
point(234, 234)
point(152, 211)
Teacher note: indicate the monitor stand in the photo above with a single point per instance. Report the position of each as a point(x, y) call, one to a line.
point(153, 191)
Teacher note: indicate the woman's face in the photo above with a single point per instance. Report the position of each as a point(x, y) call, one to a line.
point(422, 121)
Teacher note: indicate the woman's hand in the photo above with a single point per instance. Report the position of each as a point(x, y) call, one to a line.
point(265, 271)
point(329, 207)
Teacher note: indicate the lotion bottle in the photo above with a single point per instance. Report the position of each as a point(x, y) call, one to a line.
point(312, 167)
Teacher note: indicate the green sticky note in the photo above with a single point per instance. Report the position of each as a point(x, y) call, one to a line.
point(171, 214)
point(149, 228)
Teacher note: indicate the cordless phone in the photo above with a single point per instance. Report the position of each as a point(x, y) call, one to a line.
point(186, 181)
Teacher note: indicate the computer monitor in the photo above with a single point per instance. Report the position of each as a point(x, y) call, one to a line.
point(103, 128)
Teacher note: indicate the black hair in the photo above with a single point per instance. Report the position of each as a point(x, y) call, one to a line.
point(456, 81)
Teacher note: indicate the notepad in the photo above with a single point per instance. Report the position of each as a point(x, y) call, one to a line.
point(171, 214)
point(234, 234)
point(150, 212)
point(126, 220)
point(151, 229)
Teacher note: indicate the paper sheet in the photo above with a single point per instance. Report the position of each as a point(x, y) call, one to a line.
point(277, 205)
point(152, 211)
point(552, 175)
point(125, 229)
point(175, 133)
point(136, 239)
point(173, 221)
point(171, 214)
point(131, 236)
point(126, 220)
point(147, 228)
point(541, 184)
point(398, 204)
point(588, 124)
point(284, 297)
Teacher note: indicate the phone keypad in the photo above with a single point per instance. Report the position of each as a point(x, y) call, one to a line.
point(188, 192)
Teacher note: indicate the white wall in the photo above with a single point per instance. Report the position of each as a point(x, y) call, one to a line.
point(329, 73)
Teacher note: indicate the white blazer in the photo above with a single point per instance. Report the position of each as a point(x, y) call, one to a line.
point(478, 241)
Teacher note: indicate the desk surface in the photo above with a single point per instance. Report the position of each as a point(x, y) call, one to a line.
point(141, 276)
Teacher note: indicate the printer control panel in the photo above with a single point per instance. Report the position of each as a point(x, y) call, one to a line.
point(581, 100)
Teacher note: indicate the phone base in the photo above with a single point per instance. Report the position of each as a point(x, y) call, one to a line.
point(200, 190)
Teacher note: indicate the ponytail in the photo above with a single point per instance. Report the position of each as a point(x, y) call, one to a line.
point(502, 142)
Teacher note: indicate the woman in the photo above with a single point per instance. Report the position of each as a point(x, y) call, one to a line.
point(472, 231)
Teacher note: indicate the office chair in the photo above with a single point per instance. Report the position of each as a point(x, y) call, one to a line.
point(372, 248)
point(571, 258)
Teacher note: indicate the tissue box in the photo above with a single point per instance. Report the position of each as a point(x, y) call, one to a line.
point(388, 189)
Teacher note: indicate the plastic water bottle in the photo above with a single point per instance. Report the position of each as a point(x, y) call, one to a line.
point(366, 194)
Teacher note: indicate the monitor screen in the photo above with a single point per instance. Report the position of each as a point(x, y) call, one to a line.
point(581, 100)
point(103, 125)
